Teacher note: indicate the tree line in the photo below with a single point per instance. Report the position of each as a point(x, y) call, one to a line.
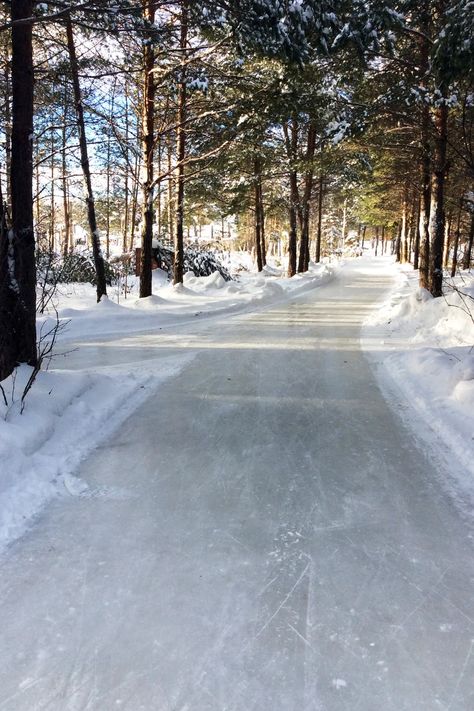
point(304, 117)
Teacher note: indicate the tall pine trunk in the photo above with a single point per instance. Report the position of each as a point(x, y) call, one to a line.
point(437, 222)
point(17, 246)
point(91, 214)
point(178, 267)
point(303, 261)
point(67, 220)
point(258, 214)
point(425, 157)
point(466, 262)
point(454, 264)
point(317, 254)
point(404, 235)
point(148, 127)
point(416, 248)
point(291, 138)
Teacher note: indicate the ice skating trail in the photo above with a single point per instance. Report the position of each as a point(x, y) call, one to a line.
point(263, 534)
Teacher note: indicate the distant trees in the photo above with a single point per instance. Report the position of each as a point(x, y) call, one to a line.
point(305, 123)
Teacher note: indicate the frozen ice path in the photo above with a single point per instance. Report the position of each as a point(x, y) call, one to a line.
point(262, 535)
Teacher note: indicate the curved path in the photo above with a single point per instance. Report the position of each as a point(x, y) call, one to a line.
point(264, 534)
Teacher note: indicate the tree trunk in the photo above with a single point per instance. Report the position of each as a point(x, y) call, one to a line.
point(292, 146)
point(303, 261)
point(404, 234)
point(416, 249)
point(398, 243)
point(412, 228)
point(437, 223)
point(126, 177)
point(67, 220)
point(8, 126)
point(18, 277)
point(170, 190)
point(425, 158)
point(258, 215)
point(52, 211)
point(466, 262)
point(181, 150)
point(262, 219)
point(456, 239)
point(344, 225)
point(91, 215)
point(447, 238)
point(109, 151)
point(148, 127)
point(134, 208)
point(317, 254)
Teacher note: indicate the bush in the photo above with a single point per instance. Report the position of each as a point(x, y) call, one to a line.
point(75, 267)
point(199, 262)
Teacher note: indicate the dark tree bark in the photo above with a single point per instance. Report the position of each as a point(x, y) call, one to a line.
point(262, 218)
point(425, 158)
point(17, 246)
point(466, 262)
point(303, 261)
point(291, 139)
point(8, 128)
point(258, 214)
point(181, 151)
point(398, 243)
point(416, 247)
point(148, 127)
point(91, 214)
point(404, 234)
point(317, 254)
point(425, 206)
point(438, 210)
point(454, 264)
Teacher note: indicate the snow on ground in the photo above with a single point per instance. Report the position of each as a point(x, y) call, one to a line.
point(69, 413)
point(424, 348)
point(198, 297)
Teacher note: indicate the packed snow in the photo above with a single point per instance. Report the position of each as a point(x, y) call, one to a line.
point(424, 351)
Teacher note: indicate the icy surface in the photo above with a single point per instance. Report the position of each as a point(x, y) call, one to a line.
point(95, 380)
point(264, 534)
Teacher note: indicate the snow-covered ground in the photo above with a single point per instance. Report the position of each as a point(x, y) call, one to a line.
point(78, 402)
point(424, 351)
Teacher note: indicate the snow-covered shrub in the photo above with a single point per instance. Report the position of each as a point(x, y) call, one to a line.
point(199, 262)
point(75, 267)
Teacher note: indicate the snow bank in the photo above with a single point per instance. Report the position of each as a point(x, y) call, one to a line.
point(170, 305)
point(424, 349)
point(66, 415)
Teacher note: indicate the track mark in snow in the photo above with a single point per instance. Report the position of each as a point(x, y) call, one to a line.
point(300, 636)
point(283, 603)
point(461, 674)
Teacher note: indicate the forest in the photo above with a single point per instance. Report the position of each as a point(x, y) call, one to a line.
point(295, 127)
